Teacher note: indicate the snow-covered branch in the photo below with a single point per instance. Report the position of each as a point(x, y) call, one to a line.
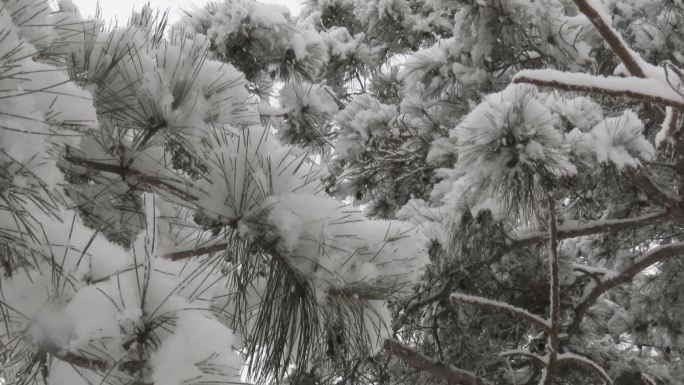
point(602, 23)
point(574, 229)
point(93, 364)
point(136, 179)
point(646, 185)
point(554, 298)
point(437, 368)
point(564, 358)
point(583, 361)
point(536, 358)
point(643, 89)
point(196, 252)
point(502, 307)
point(651, 257)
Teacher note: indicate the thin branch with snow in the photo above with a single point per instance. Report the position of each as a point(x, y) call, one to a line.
point(554, 281)
point(583, 361)
point(642, 89)
point(648, 259)
point(602, 23)
point(437, 368)
point(574, 229)
point(535, 357)
point(502, 307)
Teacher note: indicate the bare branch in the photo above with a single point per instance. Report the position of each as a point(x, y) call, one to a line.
point(444, 371)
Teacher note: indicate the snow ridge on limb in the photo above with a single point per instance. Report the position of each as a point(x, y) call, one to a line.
point(570, 229)
point(542, 360)
point(647, 83)
point(437, 368)
point(584, 361)
point(563, 358)
point(644, 89)
point(502, 307)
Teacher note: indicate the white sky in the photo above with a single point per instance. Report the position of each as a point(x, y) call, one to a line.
point(121, 9)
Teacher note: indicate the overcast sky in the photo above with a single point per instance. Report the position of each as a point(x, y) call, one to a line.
point(121, 9)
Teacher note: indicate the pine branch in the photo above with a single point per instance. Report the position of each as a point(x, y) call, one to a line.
point(554, 270)
point(646, 90)
point(612, 37)
point(439, 369)
point(502, 307)
point(648, 259)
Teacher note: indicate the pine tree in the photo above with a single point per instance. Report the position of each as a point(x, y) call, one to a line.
point(374, 192)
